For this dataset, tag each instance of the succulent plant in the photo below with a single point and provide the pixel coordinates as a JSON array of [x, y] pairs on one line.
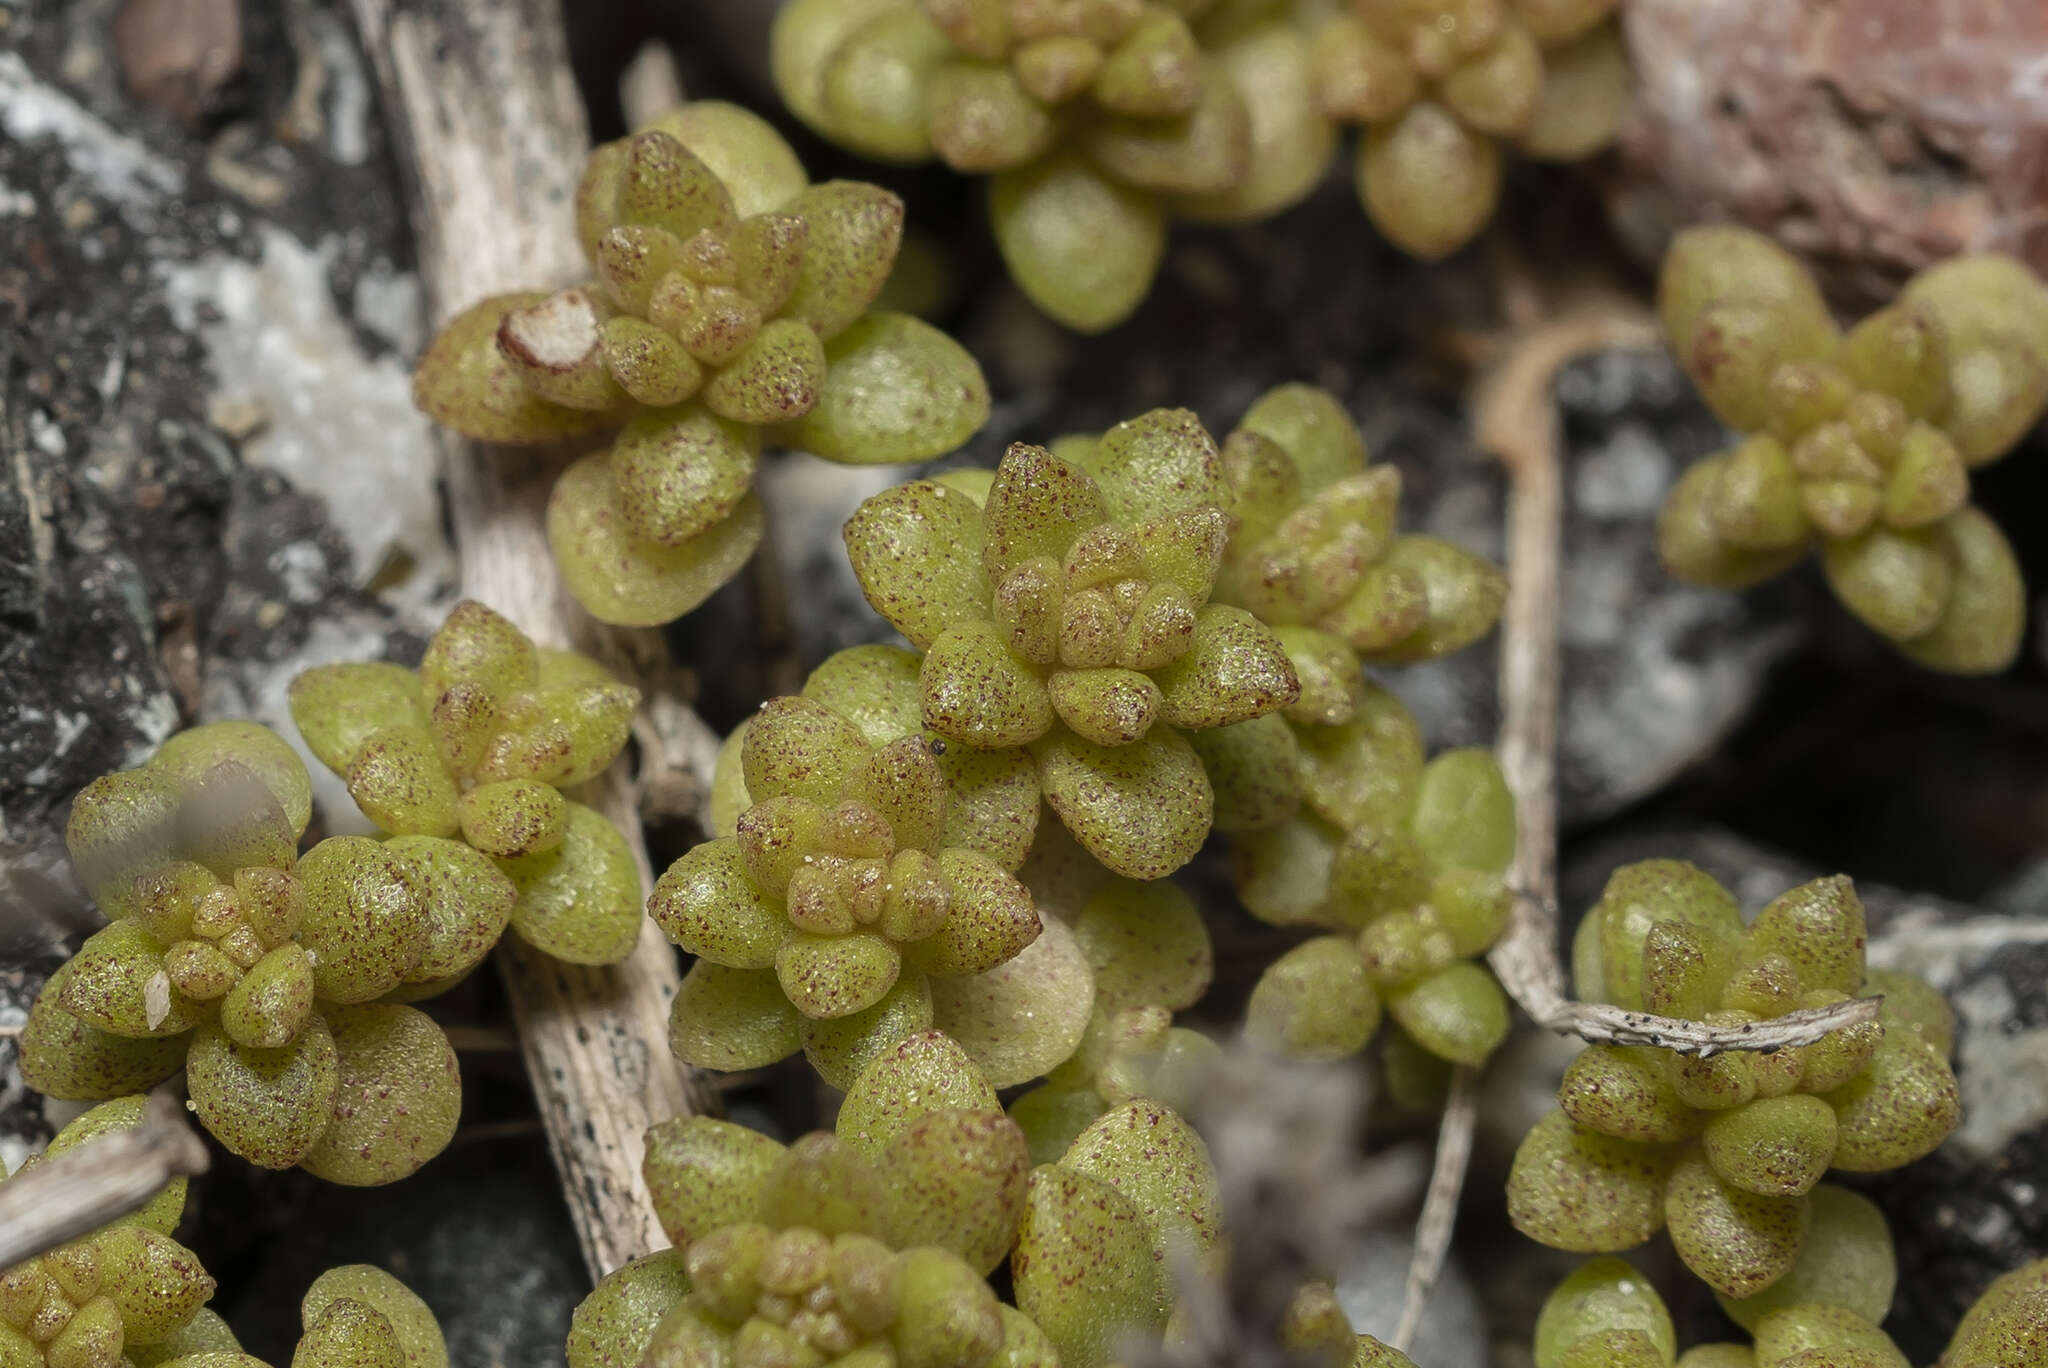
[[1861, 442], [867, 859], [477, 744], [273, 980], [869, 1245], [1725, 1150], [2007, 1325], [1606, 1315], [1403, 864], [1095, 120], [114, 1290], [1150, 955], [730, 303], [355, 1316], [1440, 85], [1065, 607], [1313, 551]]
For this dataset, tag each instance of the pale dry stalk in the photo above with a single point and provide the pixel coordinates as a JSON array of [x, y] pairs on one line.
[[485, 113], [98, 1183]]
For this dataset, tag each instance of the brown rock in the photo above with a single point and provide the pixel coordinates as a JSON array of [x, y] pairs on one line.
[[177, 54], [1872, 137]]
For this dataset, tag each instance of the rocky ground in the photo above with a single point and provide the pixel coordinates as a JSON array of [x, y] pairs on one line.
[[213, 476]]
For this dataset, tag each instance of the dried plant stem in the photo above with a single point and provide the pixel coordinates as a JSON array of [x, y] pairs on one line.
[[99, 1182], [1440, 1202], [480, 101], [1516, 419]]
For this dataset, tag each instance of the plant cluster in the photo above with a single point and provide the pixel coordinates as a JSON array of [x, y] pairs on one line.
[[129, 1296], [113, 1291], [1145, 634], [478, 743], [730, 299], [862, 866], [1607, 1315], [1859, 443], [354, 1316], [275, 981], [1336, 820], [870, 1244], [1440, 85], [1726, 1150], [1099, 121], [1095, 121]]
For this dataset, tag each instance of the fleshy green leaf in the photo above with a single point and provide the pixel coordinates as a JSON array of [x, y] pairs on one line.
[[1143, 810], [916, 550], [579, 902], [1084, 248], [1026, 1016], [924, 1072]]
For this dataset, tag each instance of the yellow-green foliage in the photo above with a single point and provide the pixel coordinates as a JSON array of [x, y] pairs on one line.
[[476, 745], [1440, 85], [1859, 443], [1069, 611], [265, 976], [730, 298], [1095, 121], [869, 1245], [1725, 1150], [116, 1290]]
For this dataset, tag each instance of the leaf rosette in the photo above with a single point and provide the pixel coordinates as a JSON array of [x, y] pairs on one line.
[[1440, 86], [112, 1292], [869, 862], [476, 745], [1093, 120], [275, 981], [1065, 607], [870, 1245], [1861, 443], [1727, 1151], [730, 299]]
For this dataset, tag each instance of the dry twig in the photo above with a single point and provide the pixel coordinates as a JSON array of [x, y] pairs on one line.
[[1516, 418], [482, 105], [101, 1181], [1440, 1204]]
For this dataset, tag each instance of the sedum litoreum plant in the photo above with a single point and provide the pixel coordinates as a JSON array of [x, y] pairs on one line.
[[2007, 1325], [109, 1294], [870, 1245], [1064, 606], [1150, 954], [867, 859], [729, 303], [1095, 120], [477, 744], [1725, 1151], [1440, 86], [1314, 552], [354, 1316], [1607, 1315], [1409, 879], [274, 981], [1859, 444]]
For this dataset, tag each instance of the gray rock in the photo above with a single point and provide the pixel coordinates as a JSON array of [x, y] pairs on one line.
[[190, 345], [1978, 1206], [1371, 1290]]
